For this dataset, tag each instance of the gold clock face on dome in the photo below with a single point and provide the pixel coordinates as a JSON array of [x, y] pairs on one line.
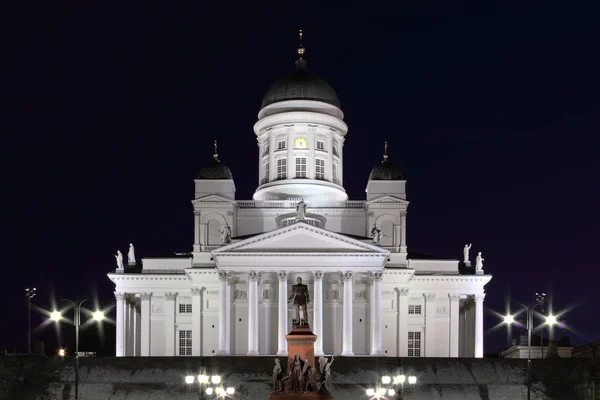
[[301, 143]]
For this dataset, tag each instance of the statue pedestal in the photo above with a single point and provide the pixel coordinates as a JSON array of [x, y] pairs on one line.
[[467, 263], [301, 341], [480, 272]]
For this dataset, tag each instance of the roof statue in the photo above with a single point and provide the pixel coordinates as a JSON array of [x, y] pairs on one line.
[[131, 255], [466, 253], [119, 258], [301, 211], [479, 262]]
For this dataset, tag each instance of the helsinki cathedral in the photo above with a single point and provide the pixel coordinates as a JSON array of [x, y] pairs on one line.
[[368, 294]]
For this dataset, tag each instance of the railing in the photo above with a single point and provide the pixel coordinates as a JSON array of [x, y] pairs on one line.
[[308, 220], [293, 203]]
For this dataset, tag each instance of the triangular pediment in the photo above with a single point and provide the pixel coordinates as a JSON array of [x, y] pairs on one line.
[[300, 238], [212, 198], [388, 199]]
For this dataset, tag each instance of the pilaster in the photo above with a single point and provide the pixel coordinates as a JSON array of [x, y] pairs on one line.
[[376, 342], [197, 320], [145, 324], [402, 321], [170, 324], [347, 278], [223, 314], [120, 296], [253, 278], [318, 312], [454, 324], [479, 325], [429, 324], [282, 328]]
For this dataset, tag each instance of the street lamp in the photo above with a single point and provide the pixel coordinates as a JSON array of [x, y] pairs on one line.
[[204, 380], [30, 294], [540, 300], [57, 316], [397, 380]]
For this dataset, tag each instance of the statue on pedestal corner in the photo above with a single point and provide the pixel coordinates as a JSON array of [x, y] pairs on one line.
[[301, 211], [226, 234], [466, 253], [479, 262], [131, 255], [277, 376], [376, 234], [119, 258]]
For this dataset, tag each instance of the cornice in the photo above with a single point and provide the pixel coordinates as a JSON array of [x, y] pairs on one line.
[[147, 277], [278, 254], [452, 278], [299, 117]]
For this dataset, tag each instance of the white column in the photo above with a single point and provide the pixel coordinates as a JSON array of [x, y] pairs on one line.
[[347, 314], [136, 330], [170, 324], [291, 163], [402, 322], [376, 345], [329, 159], [318, 312], [340, 171], [196, 321], [454, 322], [282, 329], [403, 236], [430, 325], [126, 327], [131, 326], [479, 325], [272, 164], [223, 314], [196, 230], [253, 313], [120, 296], [230, 281], [145, 324], [310, 163]]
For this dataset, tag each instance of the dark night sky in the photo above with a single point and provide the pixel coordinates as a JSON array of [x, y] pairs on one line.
[[492, 113]]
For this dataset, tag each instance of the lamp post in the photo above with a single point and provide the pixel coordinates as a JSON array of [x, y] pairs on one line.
[[540, 300], [204, 380], [30, 294], [57, 316], [398, 380]]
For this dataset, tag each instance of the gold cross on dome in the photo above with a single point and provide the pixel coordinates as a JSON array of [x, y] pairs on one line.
[[385, 154], [215, 154]]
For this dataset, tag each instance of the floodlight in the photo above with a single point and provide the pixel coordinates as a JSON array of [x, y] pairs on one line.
[[189, 379], [209, 391], [230, 391], [509, 319], [412, 380], [399, 379], [219, 391], [203, 379], [55, 315], [551, 320], [370, 392], [391, 392], [62, 352], [386, 380], [381, 391], [98, 316], [215, 379]]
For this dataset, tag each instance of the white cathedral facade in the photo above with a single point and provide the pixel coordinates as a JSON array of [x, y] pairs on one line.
[[368, 294]]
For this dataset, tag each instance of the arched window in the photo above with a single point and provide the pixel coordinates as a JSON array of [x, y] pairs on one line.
[[387, 231], [214, 236]]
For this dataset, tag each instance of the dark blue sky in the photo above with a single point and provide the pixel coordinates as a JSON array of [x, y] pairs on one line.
[[492, 112]]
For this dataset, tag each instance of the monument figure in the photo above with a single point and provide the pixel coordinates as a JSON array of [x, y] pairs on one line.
[[131, 255], [301, 211], [300, 299], [119, 258], [226, 234], [376, 234], [479, 262], [295, 375], [466, 253], [277, 376]]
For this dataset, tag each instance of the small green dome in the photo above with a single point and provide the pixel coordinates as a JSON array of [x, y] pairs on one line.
[[215, 170], [386, 171]]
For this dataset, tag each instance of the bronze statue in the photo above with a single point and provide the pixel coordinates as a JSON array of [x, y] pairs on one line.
[[300, 299]]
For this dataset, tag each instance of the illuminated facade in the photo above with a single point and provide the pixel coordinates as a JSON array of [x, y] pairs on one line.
[[369, 295]]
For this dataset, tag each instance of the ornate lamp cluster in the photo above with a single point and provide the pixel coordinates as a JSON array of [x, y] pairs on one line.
[[397, 381], [204, 380]]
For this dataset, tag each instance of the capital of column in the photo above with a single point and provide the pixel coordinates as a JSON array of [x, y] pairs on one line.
[[196, 291], [171, 296], [318, 276], [146, 296], [120, 295], [223, 275], [454, 297], [283, 276], [253, 276], [377, 276], [429, 296], [347, 276], [479, 297], [197, 213], [401, 291]]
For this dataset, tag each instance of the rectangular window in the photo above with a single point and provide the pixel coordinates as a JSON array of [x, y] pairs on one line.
[[266, 150], [319, 169], [414, 309], [320, 145], [300, 167], [185, 308], [267, 172], [334, 173], [281, 168], [281, 145], [185, 343], [414, 344]]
